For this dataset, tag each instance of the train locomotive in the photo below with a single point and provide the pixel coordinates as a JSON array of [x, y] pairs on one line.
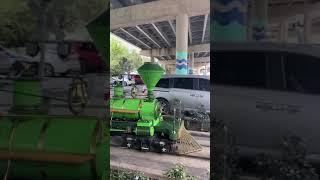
[[140, 122]]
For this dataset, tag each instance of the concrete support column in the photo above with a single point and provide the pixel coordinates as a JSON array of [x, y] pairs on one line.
[[191, 63], [284, 31], [259, 16], [229, 20], [182, 27], [307, 29], [151, 56]]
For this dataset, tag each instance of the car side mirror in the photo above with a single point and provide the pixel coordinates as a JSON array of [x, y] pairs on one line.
[[64, 50], [32, 49]]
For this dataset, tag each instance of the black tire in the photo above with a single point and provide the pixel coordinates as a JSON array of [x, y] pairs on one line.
[[164, 106], [15, 68], [83, 66], [49, 70]]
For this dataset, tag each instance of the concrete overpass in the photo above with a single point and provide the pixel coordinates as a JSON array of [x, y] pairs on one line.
[[151, 25]]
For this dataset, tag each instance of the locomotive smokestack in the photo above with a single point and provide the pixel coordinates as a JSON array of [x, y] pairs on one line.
[[150, 74]]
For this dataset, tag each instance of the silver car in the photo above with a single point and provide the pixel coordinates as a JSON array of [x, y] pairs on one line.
[[192, 90], [266, 91]]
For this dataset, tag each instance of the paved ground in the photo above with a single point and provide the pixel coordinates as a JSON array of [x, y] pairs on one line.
[[197, 164]]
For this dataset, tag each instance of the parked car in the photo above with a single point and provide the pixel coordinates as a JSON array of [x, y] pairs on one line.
[[266, 91], [137, 79], [113, 81], [192, 90], [55, 65], [10, 61], [6, 60], [126, 79], [89, 57]]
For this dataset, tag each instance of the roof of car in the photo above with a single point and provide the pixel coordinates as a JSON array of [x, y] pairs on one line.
[[186, 76], [307, 49]]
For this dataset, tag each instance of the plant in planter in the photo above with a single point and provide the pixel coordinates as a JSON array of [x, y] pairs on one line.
[[178, 172], [292, 165], [118, 174]]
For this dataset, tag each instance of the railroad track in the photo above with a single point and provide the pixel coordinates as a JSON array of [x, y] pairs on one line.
[[201, 138], [155, 164]]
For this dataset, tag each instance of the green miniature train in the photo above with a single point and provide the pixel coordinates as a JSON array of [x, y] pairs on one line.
[[35, 145], [140, 121]]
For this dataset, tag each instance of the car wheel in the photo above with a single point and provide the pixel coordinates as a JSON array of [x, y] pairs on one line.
[[15, 69], [164, 106], [49, 70]]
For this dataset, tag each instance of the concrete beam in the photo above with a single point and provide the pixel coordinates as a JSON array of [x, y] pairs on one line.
[[156, 11], [165, 10], [204, 27], [145, 34], [160, 33], [172, 51], [196, 61], [190, 33], [173, 28], [135, 38], [283, 12]]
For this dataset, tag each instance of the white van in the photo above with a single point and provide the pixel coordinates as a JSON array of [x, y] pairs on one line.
[[192, 90], [265, 91]]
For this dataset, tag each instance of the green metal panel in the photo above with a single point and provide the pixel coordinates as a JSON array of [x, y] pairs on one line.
[[5, 129], [76, 133], [129, 105], [64, 135], [30, 87], [118, 91], [132, 104], [148, 110], [144, 131], [36, 170], [167, 126], [117, 103], [144, 123], [27, 133]]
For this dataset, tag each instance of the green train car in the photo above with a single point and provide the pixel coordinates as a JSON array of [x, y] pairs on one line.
[[140, 122], [35, 145]]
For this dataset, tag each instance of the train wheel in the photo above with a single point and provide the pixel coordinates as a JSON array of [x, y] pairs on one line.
[[155, 146], [128, 141], [145, 144], [165, 146]]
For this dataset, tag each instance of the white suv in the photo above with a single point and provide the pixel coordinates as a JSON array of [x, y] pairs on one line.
[[192, 90]]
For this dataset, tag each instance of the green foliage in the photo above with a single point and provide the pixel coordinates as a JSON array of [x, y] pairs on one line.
[[117, 53], [127, 175], [16, 22], [178, 172], [19, 18], [291, 166]]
